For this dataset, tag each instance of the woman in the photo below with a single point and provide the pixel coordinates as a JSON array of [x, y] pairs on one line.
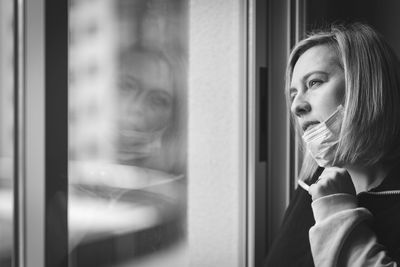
[[150, 121], [343, 88]]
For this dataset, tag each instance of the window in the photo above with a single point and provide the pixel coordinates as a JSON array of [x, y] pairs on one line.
[[106, 186], [127, 166]]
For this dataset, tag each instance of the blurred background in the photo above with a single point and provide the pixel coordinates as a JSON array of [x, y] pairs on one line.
[[383, 16]]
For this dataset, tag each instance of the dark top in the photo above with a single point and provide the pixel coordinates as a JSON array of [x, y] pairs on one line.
[[291, 246]]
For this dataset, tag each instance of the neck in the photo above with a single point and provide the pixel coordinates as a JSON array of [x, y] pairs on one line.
[[365, 178]]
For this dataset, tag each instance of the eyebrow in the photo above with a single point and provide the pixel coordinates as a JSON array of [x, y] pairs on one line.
[[305, 77]]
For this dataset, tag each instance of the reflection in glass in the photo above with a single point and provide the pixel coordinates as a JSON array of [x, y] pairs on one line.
[[6, 131], [127, 132]]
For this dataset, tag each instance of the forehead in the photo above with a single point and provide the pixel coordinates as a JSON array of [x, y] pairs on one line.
[[317, 58], [150, 70]]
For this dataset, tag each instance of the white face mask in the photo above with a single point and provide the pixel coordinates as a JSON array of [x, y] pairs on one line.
[[322, 140], [139, 145]]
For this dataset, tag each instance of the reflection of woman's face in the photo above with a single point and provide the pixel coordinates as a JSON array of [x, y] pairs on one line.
[[146, 102], [146, 94], [318, 85]]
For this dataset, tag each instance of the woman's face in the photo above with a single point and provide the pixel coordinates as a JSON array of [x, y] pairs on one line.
[[145, 104], [146, 93], [317, 87]]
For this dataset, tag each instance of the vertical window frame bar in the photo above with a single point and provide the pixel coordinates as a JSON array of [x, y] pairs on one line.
[[19, 234], [251, 134], [56, 132], [32, 136]]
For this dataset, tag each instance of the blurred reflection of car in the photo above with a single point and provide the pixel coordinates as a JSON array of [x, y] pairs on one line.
[[6, 211], [119, 212]]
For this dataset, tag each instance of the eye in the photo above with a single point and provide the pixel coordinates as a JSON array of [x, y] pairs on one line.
[[314, 83], [128, 87], [159, 99], [292, 94]]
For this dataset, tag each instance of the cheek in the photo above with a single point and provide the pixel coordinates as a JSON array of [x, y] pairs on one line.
[[157, 118], [342, 87], [326, 108], [146, 119], [329, 100], [339, 94]]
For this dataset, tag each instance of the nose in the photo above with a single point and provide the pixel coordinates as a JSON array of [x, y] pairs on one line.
[[300, 106], [132, 105]]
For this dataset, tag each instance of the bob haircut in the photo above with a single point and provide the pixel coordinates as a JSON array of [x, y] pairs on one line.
[[370, 132]]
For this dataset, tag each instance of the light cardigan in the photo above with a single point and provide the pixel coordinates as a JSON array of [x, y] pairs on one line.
[[342, 234]]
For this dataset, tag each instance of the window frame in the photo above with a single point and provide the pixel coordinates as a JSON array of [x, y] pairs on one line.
[[43, 134]]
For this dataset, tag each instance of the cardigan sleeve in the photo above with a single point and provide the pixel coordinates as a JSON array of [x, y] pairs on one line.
[[342, 235]]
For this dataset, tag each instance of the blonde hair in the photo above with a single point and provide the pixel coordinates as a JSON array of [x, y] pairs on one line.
[[371, 125]]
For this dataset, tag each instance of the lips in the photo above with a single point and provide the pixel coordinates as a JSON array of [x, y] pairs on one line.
[[309, 124]]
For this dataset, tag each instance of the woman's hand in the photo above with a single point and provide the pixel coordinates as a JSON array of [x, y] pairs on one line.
[[333, 180]]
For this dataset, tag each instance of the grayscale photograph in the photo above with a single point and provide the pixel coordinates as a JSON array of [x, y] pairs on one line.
[[199, 133]]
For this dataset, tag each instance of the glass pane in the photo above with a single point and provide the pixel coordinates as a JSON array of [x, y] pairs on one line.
[[6, 130], [127, 132]]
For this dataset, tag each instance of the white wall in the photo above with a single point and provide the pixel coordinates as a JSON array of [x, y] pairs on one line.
[[217, 154]]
